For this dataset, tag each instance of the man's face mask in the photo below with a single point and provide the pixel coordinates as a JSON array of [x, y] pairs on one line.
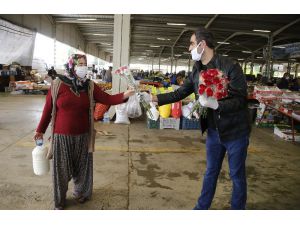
[[81, 71], [195, 55]]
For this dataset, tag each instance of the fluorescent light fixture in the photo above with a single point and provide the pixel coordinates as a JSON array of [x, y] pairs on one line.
[[177, 55], [105, 44], [223, 43], [176, 24], [163, 39], [278, 46], [248, 52], [149, 50], [87, 19], [224, 55], [240, 59], [263, 31], [100, 34], [259, 57], [154, 46]]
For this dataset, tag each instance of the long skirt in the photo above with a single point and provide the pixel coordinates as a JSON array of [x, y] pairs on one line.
[[71, 160]]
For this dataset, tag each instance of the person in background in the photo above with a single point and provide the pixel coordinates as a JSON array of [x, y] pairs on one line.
[[284, 82], [227, 123], [52, 73], [294, 85], [69, 107], [108, 75], [95, 71]]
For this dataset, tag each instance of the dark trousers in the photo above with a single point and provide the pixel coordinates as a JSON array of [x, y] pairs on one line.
[[215, 152]]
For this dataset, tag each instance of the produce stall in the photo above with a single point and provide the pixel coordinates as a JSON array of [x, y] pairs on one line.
[[278, 109]]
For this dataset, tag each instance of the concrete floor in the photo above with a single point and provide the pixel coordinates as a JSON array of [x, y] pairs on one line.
[[139, 168]]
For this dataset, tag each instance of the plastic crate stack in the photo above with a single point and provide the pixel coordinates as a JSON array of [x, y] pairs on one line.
[[190, 124]]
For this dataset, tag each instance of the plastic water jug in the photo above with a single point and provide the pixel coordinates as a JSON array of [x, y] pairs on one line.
[[40, 163], [106, 118]]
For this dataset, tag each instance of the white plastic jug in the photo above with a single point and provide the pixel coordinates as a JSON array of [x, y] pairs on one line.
[[41, 164]]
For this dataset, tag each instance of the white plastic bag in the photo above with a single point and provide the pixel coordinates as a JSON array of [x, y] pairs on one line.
[[208, 102], [121, 114], [133, 107], [154, 112], [186, 110]]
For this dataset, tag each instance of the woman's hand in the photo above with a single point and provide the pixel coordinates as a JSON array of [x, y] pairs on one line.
[[38, 136], [128, 93]]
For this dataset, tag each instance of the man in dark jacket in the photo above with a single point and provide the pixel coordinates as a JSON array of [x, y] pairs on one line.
[[227, 123]]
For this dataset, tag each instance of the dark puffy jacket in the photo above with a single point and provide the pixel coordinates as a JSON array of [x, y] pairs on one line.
[[231, 119]]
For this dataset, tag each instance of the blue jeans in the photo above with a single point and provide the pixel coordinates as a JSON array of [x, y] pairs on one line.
[[215, 152]]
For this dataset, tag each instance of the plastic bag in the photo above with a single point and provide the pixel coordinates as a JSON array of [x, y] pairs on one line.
[[176, 110], [154, 112], [186, 110], [165, 111], [121, 114], [133, 107], [99, 111], [208, 102]]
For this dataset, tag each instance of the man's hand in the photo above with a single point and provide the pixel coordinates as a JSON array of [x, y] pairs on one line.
[[209, 103]]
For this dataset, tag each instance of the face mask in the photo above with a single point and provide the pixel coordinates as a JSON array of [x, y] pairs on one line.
[[195, 55], [81, 71]]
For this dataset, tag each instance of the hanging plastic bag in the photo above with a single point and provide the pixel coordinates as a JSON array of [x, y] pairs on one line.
[[154, 112], [121, 114], [176, 110], [133, 107], [186, 110]]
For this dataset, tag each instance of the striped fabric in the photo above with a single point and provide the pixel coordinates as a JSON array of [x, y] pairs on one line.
[[71, 160]]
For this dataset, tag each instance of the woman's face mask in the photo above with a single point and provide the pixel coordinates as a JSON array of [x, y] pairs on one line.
[[81, 71], [195, 55]]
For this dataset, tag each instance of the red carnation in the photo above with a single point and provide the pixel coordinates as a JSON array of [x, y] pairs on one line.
[[216, 80], [220, 87], [209, 92], [201, 89], [213, 72], [206, 75], [219, 95], [208, 82]]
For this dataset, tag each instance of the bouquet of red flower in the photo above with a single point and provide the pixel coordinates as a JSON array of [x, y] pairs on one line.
[[212, 87]]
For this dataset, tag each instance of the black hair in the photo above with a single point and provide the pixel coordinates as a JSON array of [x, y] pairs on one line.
[[203, 34]]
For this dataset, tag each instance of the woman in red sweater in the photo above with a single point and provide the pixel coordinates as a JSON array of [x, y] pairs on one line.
[[69, 105]]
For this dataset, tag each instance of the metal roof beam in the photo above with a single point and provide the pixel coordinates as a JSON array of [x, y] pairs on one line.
[[275, 33], [185, 29], [243, 33], [211, 21]]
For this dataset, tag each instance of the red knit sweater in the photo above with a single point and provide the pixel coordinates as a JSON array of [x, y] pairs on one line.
[[72, 113]]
